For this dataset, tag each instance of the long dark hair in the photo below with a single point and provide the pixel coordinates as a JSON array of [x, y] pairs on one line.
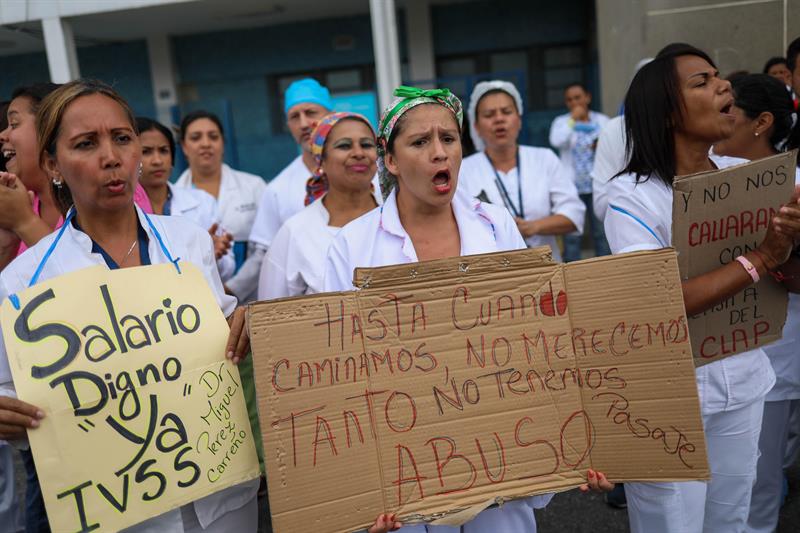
[[653, 111], [760, 93]]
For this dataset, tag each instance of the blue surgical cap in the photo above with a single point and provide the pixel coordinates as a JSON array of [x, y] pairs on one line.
[[305, 91]]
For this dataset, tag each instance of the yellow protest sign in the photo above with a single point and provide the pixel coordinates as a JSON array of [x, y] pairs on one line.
[[143, 413]]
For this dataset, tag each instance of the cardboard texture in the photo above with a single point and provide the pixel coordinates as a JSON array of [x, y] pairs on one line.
[[446, 386], [142, 412], [718, 216]]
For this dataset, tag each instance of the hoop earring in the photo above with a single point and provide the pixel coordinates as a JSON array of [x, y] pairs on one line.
[[58, 183]]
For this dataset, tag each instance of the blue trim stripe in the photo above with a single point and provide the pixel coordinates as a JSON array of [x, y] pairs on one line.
[[640, 221], [161, 243], [14, 301]]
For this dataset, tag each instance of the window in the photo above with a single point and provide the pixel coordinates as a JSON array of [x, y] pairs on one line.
[[338, 81], [540, 73]]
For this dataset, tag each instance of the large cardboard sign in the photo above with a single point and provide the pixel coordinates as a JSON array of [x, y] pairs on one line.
[[441, 388], [718, 216], [143, 414]]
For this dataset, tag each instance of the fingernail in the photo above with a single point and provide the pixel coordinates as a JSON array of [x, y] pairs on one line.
[[591, 474], [39, 414], [34, 423], [230, 355]]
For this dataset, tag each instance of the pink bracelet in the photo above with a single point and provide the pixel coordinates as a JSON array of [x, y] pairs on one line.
[[748, 266]]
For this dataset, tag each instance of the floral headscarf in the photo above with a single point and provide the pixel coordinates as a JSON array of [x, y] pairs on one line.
[[408, 98], [317, 184]]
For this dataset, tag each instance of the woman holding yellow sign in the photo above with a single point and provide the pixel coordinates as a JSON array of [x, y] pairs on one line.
[[423, 217], [90, 150]]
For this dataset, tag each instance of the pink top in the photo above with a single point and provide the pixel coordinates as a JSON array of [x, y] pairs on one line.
[[139, 198]]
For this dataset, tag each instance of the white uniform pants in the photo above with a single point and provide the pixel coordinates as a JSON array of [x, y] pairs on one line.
[[765, 504], [722, 504], [10, 519]]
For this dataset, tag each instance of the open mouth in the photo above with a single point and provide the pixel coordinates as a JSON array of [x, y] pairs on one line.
[[726, 109], [116, 186], [441, 182], [9, 154], [500, 132]]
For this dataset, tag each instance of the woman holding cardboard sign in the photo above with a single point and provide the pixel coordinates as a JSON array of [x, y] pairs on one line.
[[90, 150], [424, 218], [766, 124], [676, 108]]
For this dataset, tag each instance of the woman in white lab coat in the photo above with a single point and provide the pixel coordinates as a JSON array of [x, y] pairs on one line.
[[676, 107], [344, 149], [237, 192], [423, 218], [158, 150], [766, 124], [531, 182], [91, 153]]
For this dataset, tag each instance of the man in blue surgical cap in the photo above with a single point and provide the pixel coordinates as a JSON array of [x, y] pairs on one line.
[[306, 102]]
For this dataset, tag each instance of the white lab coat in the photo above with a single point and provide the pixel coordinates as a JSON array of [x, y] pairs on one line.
[[563, 137], [295, 263], [183, 239], [201, 208], [379, 239], [609, 160], [283, 197], [731, 392], [236, 210], [546, 189]]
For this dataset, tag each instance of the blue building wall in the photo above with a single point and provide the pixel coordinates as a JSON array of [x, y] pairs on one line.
[[123, 65], [234, 65], [505, 24]]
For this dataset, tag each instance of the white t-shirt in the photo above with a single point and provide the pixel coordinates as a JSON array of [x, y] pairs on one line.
[[639, 217], [563, 137], [546, 189], [183, 239], [609, 160], [295, 263], [379, 239], [283, 197]]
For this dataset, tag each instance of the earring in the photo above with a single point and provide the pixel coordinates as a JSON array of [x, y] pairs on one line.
[[757, 134], [57, 183], [140, 170]]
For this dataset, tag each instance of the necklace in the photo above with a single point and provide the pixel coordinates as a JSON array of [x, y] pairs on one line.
[[129, 252]]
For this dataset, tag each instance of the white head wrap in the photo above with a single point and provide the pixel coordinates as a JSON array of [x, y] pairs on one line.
[[477, 93]]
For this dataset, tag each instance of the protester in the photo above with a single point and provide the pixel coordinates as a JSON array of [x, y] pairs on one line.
[[423, 218], [766, 124], [202, 141], [158, 151], [30, 219], [344, 150], [305, 103], [676, 107], [530, 182], [88, 146], [778, 68], [793, 60], [574, 135], [9, 504]]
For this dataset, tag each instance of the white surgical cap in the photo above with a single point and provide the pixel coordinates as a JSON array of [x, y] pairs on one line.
[[477, 93]]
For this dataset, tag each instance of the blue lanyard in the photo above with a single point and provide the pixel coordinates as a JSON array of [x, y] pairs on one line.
[[67, 221], [504, 192]]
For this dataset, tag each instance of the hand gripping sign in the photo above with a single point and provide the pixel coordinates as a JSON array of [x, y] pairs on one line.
[[441, 388], [716, 217], [143, 412]]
